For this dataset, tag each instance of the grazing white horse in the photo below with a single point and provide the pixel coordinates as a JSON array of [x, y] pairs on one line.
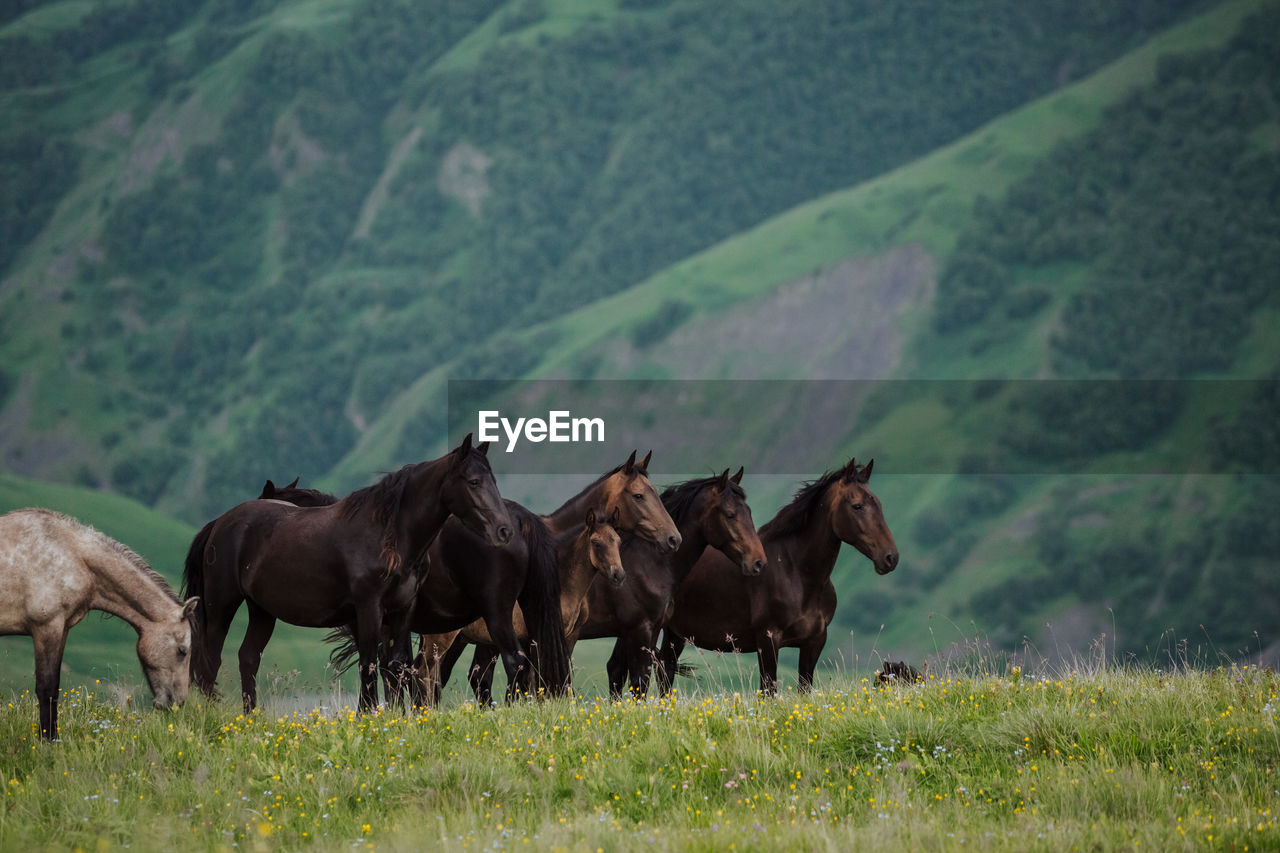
[[54, 570]]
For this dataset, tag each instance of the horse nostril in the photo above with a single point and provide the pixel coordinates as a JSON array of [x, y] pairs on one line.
[[504, 534], [759, 566], [673, 541], [891, 559]]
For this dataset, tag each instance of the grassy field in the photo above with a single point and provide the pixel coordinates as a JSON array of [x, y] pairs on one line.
[[1096, 758]]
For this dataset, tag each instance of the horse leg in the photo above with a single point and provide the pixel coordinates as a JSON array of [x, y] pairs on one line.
[[640, 663], [617, 670], [424, 681], [810, 651], [256, 637], [207, 657], [368, 644], [767, 657], [448, 659], [480, 675], [49, 641], [669, 661], [398, 668]]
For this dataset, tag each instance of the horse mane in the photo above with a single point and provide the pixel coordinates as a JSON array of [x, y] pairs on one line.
[[679, 498], [795, 516], [120, 549], [597, 481], [382, 500]]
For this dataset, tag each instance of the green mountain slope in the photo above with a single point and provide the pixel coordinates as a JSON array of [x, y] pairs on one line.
[[240, 229]]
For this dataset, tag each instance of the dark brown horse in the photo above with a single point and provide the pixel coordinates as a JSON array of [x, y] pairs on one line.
[[711, 511], [582, 555], [357, 561], [793, 601], [625, 490]]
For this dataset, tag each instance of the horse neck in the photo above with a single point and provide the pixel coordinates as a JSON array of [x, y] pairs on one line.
[[575, 509], [809, 552], [693, 542], [573, 557], [123, 588], [422, 511]]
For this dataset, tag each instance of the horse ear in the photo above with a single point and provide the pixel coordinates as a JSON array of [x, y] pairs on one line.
[[189, 606], [269, 488], [483, 447], [644, 466], [465, 447], [615, 516], [591, 519], [737, 478], [294, 484], [723, 479], [850, 471], [865, 473], [630, 464]]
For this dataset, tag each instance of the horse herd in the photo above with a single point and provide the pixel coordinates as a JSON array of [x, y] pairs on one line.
[[434, 549]]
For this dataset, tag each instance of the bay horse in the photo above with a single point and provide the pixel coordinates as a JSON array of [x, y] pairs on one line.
[[453, 595], [582, 555], [54, 570], [358, 561], [793, 600], [709, 512]]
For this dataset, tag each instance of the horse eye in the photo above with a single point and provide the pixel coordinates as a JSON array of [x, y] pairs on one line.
[[730, 515], [474, 482], [858, 507], [638, 496]]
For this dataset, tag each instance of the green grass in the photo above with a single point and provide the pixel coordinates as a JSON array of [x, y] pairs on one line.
[[1093, 759]]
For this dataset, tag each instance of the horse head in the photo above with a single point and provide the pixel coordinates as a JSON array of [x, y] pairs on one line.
[[858, 518], [605, 546], [726, 521], [471, 493], [628, 492], [164, 649]]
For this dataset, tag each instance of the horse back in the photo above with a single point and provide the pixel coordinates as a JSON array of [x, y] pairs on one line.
[[43, 572]]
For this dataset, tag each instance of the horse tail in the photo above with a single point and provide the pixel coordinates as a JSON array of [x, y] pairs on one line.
[[346, 653], [202, 670], [540, 601]]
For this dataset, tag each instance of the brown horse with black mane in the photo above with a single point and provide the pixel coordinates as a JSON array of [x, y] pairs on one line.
[[709, 512], [793, 601], [357, 561]]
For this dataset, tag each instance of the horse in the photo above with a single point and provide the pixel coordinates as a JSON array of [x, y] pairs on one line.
[[583, 554], [625, 490], [793, 601], [54, 570], [358, 561], [709, 512]]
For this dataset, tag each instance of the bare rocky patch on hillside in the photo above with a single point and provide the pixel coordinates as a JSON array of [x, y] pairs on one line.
[[837, 323]]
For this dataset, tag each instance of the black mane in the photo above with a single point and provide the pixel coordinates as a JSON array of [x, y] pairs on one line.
[[679, 498], [795, 516]]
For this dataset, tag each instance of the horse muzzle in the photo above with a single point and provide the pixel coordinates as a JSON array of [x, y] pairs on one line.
[[616, 575], [887, 563]]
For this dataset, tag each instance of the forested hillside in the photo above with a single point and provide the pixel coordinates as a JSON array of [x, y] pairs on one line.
[[240, 228]]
